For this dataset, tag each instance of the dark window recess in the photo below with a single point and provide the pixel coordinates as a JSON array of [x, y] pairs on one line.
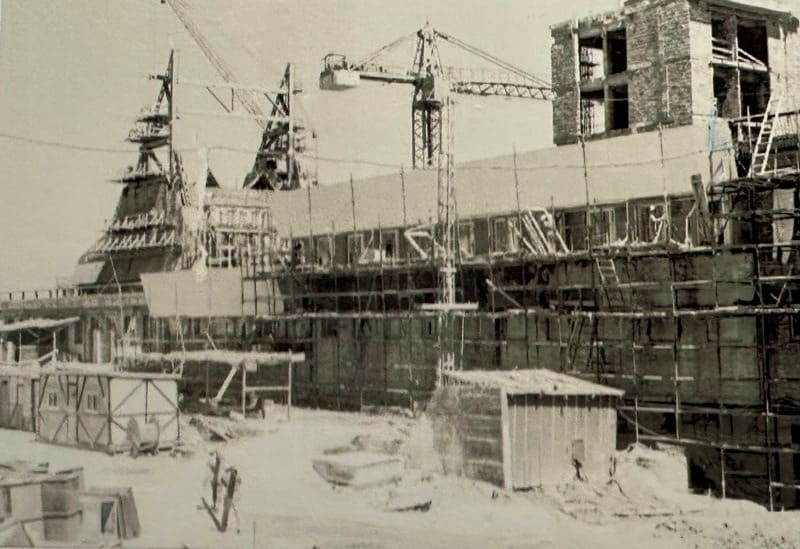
[[429, 328], [500, 328], [752, 40], [726, 92], [106, 510], [77, 333], [755, 91], [617, 51], [619, 118], [794, 327]]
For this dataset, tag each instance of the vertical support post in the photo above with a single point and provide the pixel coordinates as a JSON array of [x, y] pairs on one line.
[[588, 204], [244, 389], [506, 439], [215, 470], [290, 129], [311, 244], [289, 390], [722, 469], [634, 333], [230, 489], [675, 356], [667, 212], [403, 193]]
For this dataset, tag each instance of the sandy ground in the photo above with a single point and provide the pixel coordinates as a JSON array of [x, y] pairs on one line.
[[284, 503]]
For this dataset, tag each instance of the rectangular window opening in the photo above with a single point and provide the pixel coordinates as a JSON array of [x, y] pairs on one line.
[[390, 246], [604, 227], [617, 51], [324, 251], [619, 117], [754, 91], [93, 402], [726, 92], [355, 248], [593, 120], [751, 36], [466, 239], [592, 58]]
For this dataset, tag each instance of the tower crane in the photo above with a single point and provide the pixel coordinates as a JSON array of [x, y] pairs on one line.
[[432, 137], [276, 166], [433, 82]]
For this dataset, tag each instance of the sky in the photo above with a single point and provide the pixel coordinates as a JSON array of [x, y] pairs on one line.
[[74, 72]]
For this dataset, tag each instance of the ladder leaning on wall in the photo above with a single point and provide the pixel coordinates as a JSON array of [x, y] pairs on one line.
[[759, 164]]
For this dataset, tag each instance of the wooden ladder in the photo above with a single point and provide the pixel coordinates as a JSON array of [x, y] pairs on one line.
[[574, 341], [766, 134], [610, 281]]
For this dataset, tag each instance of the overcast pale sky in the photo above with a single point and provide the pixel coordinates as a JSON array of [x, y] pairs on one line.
[[75, 72]]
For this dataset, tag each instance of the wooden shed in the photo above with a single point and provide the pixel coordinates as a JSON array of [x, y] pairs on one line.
[[48, 505], [18, 393], [81, 405], [524, 428]]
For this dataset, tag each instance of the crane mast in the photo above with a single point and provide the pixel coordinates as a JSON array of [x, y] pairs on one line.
[[432, 139]]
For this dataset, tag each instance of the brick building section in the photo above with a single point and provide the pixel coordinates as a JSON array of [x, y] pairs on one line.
[[670, 72]]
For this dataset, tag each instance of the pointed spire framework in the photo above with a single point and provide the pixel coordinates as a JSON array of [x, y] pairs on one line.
[[277, 166], [146, 218]]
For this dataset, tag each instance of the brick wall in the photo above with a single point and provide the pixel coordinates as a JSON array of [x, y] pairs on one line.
[[659, 64], [564, 70], [669, 76], [659, 74]]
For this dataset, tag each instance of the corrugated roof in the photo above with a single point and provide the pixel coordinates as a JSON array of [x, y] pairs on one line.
[[37, 324], [32, 369], [619, 169], [535, 381], [103, 370], [230, 357]]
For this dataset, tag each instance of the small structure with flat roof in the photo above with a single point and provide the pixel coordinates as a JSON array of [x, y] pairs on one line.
[[522, 429], [92, 406], [236, 380]]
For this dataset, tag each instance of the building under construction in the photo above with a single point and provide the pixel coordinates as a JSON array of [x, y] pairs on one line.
[[653, 249]]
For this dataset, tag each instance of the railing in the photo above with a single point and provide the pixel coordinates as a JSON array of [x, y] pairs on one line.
[[746, 128], [69, 292], [153, 238], [152, 112], [149, 133], [722, 50], [138, 221], [138, 175]]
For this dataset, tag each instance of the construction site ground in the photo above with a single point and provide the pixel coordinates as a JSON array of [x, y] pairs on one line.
[[282, 502]]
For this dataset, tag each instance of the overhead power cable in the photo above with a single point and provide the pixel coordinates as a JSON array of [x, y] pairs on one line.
[[354, 161], [62, 145]]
